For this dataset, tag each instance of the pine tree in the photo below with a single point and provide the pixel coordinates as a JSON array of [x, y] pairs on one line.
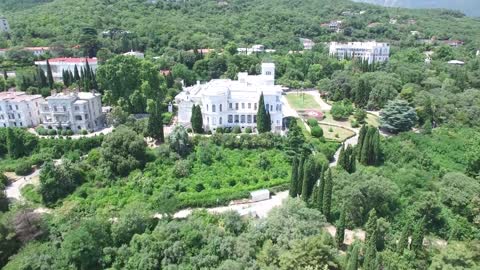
[[294, 178], [327, 194], [403, 241], [309, 178], [300, 175], [262, 116], [417, 236], [340, 235], [361, 139], [353, 260], [196, 119], [49, 75], [155, 123], [76, 75]]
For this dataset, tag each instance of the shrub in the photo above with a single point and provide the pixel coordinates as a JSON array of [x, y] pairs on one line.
[[237, 130], [330, 129], [199, 187], [182, 168], [63, 132], [52, 132], [69, 132], [219, 130], [84, 132], [312, 122], [341, 110], [189, 130], [23, 168], [248, 130], [317, 132], [354, 124], [232, 182], [216, 184], [360, 115]]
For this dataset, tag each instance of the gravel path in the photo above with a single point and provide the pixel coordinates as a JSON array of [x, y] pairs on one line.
[[13, 190]]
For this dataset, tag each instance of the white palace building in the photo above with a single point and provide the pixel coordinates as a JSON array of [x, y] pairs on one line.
[[371, 51], [229, 103]]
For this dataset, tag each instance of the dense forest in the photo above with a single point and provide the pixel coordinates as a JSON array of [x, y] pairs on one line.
[[109, 201]]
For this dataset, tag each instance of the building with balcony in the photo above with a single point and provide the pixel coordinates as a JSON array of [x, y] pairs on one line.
[[229, 103], [372, 52], [58, 65], [72, 110], [18, 109]]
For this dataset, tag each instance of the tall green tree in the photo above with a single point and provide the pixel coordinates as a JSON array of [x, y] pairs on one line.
[[321, 189], [371, 229], [196, 119], [155, 122], [300, 174], [327, 194], [340, 235], [263, 121], [76, 75], [294, 179], [49, 75], [417, 236], [403, 241], [353, 259], [398, 116], [310, 176]]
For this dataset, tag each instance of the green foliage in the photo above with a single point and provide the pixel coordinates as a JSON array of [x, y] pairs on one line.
[[179, 141], [56, 182], [23, 168], [263, 117], [397, 116], [317, 132], [341, 110], [294, 179], [122, 151], [196, 119], [340, 232], [327, 194], [310, 176]]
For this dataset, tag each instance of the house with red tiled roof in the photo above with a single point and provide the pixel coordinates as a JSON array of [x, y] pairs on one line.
[[61, 64]]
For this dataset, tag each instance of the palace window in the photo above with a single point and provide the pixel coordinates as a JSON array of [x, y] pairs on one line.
[[242, 119], [236, 106], [254, 119], [230, 118], [236, 119], [220, 121], [220, 109], [207, 107], [249, 105], [249, 119], [243, 105], [271, 108], [230, 106], [214, 109], [254, 106], [16, 107], [269, 73]]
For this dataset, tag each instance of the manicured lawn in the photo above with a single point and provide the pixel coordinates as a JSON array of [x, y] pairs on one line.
[[331, 132], [302, 101], [373, 120]]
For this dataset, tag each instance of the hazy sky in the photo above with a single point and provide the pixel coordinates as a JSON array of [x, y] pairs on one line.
[[469, 7]]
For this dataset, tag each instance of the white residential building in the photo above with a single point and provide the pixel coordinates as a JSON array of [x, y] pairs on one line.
[[335, 26], [307, 43], [368, 51], [18, 109], [58, 65], [37, 51], [229, 103], [73, 110], [255, 49], [135, 54], [4, 26]]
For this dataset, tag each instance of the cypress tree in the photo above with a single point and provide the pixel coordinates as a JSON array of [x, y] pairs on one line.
[[294, 178], [371, 226], [309, 178], [300, 175], [361, 139], [351, 161], [376, 152], [369, 261], [262, 116], [49, 75], [327, 194], [340, 235], [268, 121], [196, 119], [353, 260], [42, 78], [341, 158], [403, 241], [76, 75], [371, 229], [5, 76], [155, 123], [417, 236], [321, 189]]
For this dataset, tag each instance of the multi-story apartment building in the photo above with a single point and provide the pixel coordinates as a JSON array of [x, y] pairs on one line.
[[59, 65], [18, 109], [4, 27], [73, 110], [368, 51], [229, 103], [307, 43]]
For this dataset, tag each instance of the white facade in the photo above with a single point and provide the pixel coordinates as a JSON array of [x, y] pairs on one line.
[[18, 109], [229, 103], [37, 51], [307, 43], [58, 65], [73, 110], [258, 48], [135, 54], [368, 51], [4, 26]]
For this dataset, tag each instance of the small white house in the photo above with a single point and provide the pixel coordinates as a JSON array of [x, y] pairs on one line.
[[260, 195]]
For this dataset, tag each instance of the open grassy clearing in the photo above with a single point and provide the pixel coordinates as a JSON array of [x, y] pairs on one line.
[[336, 133], [302, 101]]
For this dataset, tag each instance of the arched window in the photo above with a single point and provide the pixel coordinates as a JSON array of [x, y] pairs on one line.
[[220, 108], [214, 108], [220, 122]]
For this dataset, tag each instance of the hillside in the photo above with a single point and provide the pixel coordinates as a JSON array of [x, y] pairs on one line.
[[469, 7], [198, 24]]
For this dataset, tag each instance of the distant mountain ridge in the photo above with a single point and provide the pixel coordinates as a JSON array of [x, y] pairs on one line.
[[469, 7]]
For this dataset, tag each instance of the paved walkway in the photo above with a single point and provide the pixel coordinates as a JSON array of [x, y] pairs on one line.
[[13, 190], [104, 131]]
